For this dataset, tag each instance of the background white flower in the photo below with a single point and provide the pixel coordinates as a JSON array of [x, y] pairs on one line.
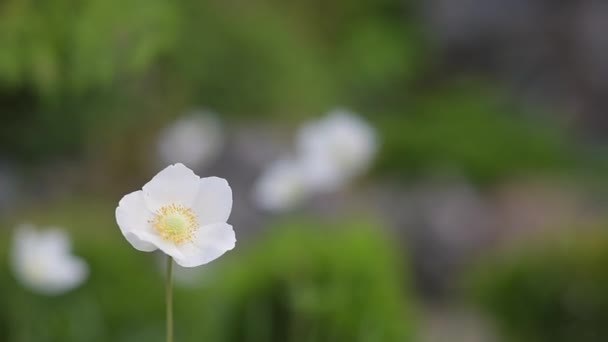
[[335, 149], [281, 186], [41, 261], [181, 214], [194, 139]]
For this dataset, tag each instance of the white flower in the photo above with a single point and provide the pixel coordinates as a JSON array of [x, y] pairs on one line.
[[281, 186], [42, 261], [335, 149], [181, 214], [194, 140]]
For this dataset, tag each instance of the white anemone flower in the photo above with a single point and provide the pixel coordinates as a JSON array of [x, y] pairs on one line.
[[281, 186], [335, 149], [195, 139], [42, 262], [181, 214]]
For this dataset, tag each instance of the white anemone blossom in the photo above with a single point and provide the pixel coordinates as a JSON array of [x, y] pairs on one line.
[[42, 262], [194, 139], [181, 214], [281, 186], [335, 149]]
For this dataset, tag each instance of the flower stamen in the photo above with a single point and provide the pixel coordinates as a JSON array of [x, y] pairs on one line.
[[175, 223]]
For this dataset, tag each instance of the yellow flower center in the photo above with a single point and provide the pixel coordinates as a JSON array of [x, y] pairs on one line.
[[175, 223]]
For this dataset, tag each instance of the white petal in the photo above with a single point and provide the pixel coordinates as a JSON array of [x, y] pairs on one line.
[[53, 241], [336, 149], [132, 215], [195, 139], [281, 186], [352, 138], [165, 246], [210, 243], [63, 275], [77, 271], [176, 184], [42, 261], [133, 218], [213, 203], [321, 173], [139, 244]]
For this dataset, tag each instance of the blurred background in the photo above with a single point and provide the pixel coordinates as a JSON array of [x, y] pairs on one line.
[[478, 213]]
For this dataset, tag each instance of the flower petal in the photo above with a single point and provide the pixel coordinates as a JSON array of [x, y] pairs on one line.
[[139, 244], [194, 139], [165, 246], [53, 241], [281, 186], [133, 215], [321, 173], [213, 203], [176, 184], [210, 243], [42, 261], [63, 275]]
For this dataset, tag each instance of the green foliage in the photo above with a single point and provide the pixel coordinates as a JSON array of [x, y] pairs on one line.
[[552, 291], [251, 61], [77, 69], [75, 77], [314, 285], [305, 281], [60, 46], [60, 61], [464, 128]]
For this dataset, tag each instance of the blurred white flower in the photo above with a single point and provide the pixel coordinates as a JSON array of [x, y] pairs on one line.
[[181, 214], [330, 152], [195, 140], [335, 149], [281, 186], [42, 261]]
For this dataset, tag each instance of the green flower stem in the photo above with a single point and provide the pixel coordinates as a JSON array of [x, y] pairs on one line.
[[169, 297]]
